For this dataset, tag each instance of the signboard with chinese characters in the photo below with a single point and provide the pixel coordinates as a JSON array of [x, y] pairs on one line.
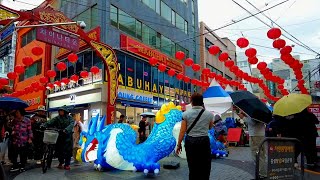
[[52, 36], [7, 32], [281, 158], [315, 109]]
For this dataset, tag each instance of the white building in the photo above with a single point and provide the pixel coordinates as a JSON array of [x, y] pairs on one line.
[[242, 62]]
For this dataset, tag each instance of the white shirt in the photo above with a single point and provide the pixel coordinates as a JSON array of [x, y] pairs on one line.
[[255, 128]]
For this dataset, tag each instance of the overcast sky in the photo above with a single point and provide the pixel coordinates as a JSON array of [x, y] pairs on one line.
[[299, 17]]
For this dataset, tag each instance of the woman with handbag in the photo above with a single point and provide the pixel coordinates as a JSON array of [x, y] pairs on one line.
[[196, 123]]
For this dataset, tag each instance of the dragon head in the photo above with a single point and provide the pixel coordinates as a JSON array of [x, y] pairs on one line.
[[169, 112]]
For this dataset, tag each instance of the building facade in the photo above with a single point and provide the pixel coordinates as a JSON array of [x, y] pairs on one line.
[[242, 62], [311, 72]]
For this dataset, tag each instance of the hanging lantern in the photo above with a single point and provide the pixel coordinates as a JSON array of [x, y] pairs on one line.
[[274, 33], [229, 63], [194, 81], [153, 61], [180, 55], [262, 65], [253, 60], [286, 50], [188, 62], [50, 86], [42, 88], [223, 56], [280, 86], [242, 42], [57, 83], [162, 67], [281, 81], [301, 81], [61, 66], [206, 71], [12, 75], [180, 76], [27, 61], [4, 81], [218, 77], [51, 73], [84, 74], [35, 84], [73, 58], [212, 75], [214, 50], [186, 79], [37, 51], [65, 81], [279, 43], [234, 69], [251, 52], [19, 69], [196, 67], [95, 70], [74, 78], [299, 76], [44, 80], [171, 72]]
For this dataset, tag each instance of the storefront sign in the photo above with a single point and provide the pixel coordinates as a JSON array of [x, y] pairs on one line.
[[59, 39], [145, 51], [315, 109], [93, 78], [33, 101], [5, 49], [135, 96], [281, 158], [7, 32], [72, 98]]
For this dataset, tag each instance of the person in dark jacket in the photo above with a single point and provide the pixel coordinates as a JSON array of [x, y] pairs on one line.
[[64, 144]]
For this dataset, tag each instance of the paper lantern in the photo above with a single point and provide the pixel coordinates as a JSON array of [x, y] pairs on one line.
[[50, 86], [229, 63], [186, 79], [251, 52], [188, 62], [206, 71], [194, 81], [37, 51], [35, 84], [234, 69], [299, 76], [95, 70], [286, 50], [242, 42], [218, 77], [65, 81], [180, 76], [274, 33], [301, 81], [171, 72], [180, 55], [84, 74], [74, 78], [214, 50], [153, 61], [279, 43], [51, 73], [27, 60], [4, 81], [162, 67], [19, 69], [223, 56], [73, 58], [61, 66], [212, 75], [253, 60], [44, 80], [262, 65], [280, 86], [42, 88], [196, 67], [57, 83], [281, 81], [12, 75]]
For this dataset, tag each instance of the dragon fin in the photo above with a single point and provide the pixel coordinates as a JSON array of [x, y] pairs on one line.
[[93, 124], [101, 123]]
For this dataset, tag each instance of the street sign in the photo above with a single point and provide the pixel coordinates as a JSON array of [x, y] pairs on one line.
[[7, 32]]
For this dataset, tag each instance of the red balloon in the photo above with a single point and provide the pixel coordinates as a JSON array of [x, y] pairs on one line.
[[253, 60], [188, 62], [65, 81], [186, 79], [61, 66], [74, 78], [229, 63], [180, 55], [57, 83], [50, 86], [280, 86], [44, 80], [251, 52], [242, 42], [84, 74], [286, 50], [162, 67], [12, 75], [72, 58], [171, 72], [27, 60], [95, 70], [180, 76], [214, 50], [37, 51], [274, 33], [206, 71], [153, 61], [279, 43], [223, 56], [19, 69], [4, 81], [196, 67], [262, 65], [51, 73], [212, 75]]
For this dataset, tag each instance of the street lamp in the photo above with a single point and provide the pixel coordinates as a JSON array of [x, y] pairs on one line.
[[82, 24]]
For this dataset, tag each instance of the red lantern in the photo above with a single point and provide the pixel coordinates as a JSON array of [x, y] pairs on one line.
[[212, 75], [37, 51], [153, 61], [286, 50], [50, 86], [262, 65], [196, 67], [206, 71], [74, 78], [251, 52], [180, 55], [27, 61], [35, 85], [214, 50], [73, 58], [186, 79], [279, 43], [57, 83], [44, 80], [162, 67], [229, 63], [242, 42], [234, 69], [95, 70], [4, 81], [218, 77], [299, 76], [223, 56], [180, 76], [280, 86], [281, 81], [188, 62], [171, 72], [274, 33], [84, 74], [253, 60], [42, 88], [301, 81], [12, 75], [51, 73], [194, 81], [19, 69], [61, 66], [65, 81]]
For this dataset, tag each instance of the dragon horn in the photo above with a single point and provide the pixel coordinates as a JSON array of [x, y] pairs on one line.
[[93, 124], [101, 123]]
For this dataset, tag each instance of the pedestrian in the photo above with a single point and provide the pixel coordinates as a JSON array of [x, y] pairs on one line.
[[21, 136], [121, 120], [219, 127], [64, 145], [77, 128], [142, 128], [196, 123], [4, 135], [37, 121]]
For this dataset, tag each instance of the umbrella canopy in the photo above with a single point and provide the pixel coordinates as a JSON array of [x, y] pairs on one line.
[[148, 114], [11, 103], [251, 105], [291, 104]]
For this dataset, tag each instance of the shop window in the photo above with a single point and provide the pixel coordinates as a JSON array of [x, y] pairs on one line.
[[139, 75], [127, 23], [155, 79], [28, 37], [130, 71], [87, 60], [79, 64], [122, 68], [114, 15], [161, 82], [31, 71], [147, 77], [97, 61], [70, 70], [165, 11]]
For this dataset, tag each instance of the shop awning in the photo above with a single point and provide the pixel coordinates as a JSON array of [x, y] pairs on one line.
[[71, 107], [138, 104]]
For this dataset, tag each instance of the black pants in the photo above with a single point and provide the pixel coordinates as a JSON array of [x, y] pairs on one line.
[[64, 150], [23, 154], [198, 157], [310, 148]]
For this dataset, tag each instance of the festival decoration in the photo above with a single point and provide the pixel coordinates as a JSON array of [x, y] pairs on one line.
[[214, 50], [65, 81], [242, 42], [57, 83], [188, 62], [229, 63], [262, 65], [274, 33], [180, 55], [186, 79], [35, 85], [74, 78], [251, 52], [223, 56], [286, 50], [27, 61], [95, 70], [206, 71], [4, 81], [253, 60], [51, 73], [180, 76], [12, 75], [171, 72], [162, 67], [72, 57], [37, 51], [196, 67], [212, 75], [19, 69], [44, 80], [61, 66], [153, 61], [50, 86], [84, 74], [279, 43]]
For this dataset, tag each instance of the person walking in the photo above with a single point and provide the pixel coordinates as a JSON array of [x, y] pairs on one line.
[[142, 128], [77, 128], [121, 120], [195, 124], [4, 135], [64, 144]]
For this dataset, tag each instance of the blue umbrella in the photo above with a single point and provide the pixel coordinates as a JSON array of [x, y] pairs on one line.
[[11, 103]]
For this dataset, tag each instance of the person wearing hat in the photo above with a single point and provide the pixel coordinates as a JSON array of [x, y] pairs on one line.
[[64, 144]]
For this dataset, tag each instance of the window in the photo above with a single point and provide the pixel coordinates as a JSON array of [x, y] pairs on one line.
[[114, 16], [179, 22], [208, 43], [33, 70], [173, 18], [166, 45], [127, 23], [130, 69], [90, 16], [122, 68], [165, 11], [155, 78], [186, 27], [213, 69], [150, 3], [28, 37], [150, 36], [139, 75], [138, 29]]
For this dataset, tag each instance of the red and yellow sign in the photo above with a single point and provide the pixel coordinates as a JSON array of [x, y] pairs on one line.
[[145, 51]]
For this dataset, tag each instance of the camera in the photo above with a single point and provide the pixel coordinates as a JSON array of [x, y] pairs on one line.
[[82, 24]]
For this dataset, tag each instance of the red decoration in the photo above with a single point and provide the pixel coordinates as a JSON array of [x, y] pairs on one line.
[[153, 61], [274, 33], [253, 60], [242, 42], [223, 56], [19, 69], [194, 81], [61, 66], [214, 50], [301, 81], [95, 70], [262, 65], [44, 80], [84, 74], [12, 75], [171, 72], [27, 61], [73, 58], [180, 76], [65, 81], [74, 78], [196, 67], [286, 50], [280, 86], [180, 55], [206, 71], [188, 62], [218, 77], [299, 76], [4, 81], [162, 67], [229, 63], [234, 69], [251, 52], [37, 51], [212, 75], [186, 79], [51, 73], [50, 86], [35, 84], [57, 83], [279, 43]]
